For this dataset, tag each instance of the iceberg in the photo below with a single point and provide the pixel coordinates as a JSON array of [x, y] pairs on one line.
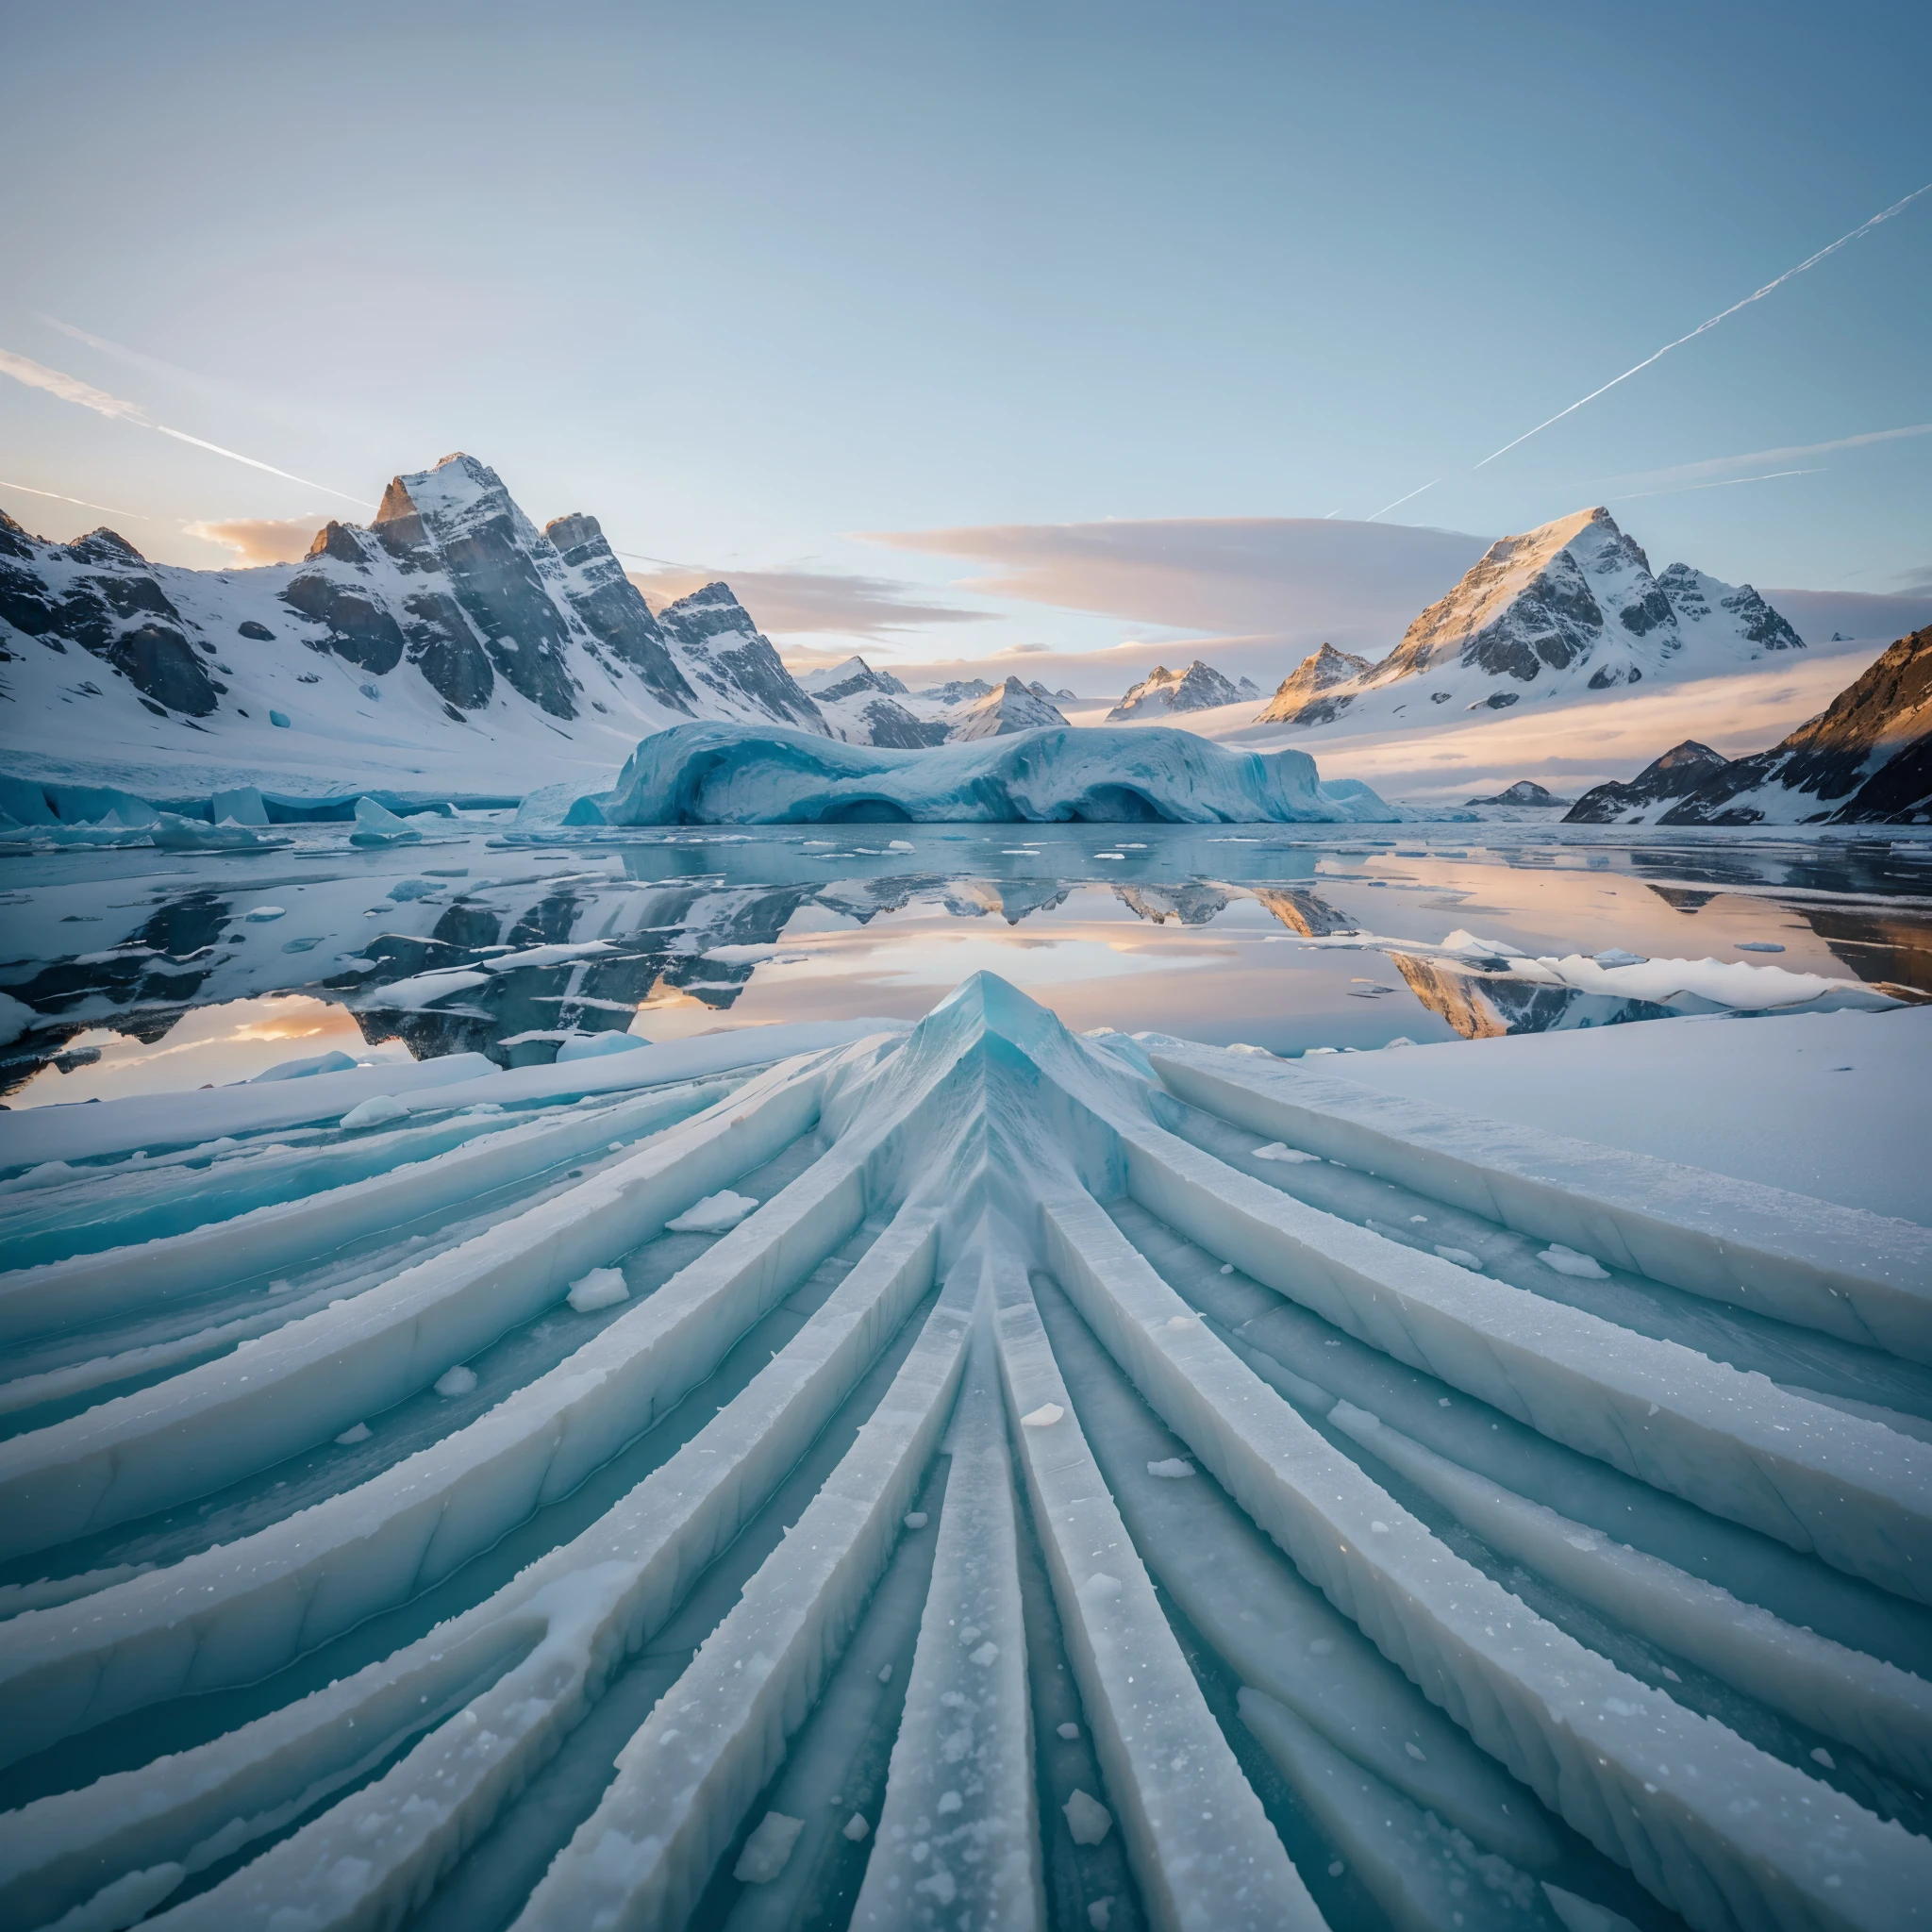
[[1031, 1482], [712, 774]]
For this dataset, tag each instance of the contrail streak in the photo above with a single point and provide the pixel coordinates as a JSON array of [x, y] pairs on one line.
[[69, 388], [1724, 483], [1756, 295], [1400, 501], [111, 509]]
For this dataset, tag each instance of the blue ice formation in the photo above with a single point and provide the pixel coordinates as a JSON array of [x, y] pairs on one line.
[[715, 773]]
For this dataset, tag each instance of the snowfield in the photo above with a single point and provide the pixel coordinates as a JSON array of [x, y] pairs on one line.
[[975, 1474]]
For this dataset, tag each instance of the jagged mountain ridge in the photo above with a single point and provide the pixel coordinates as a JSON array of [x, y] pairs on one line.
[[1162, 692], [1567, 610], [1865, 759], [447, 637]]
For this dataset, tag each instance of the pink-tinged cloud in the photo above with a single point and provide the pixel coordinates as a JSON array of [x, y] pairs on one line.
[[260, 539], [1288, 578], [792, 603]]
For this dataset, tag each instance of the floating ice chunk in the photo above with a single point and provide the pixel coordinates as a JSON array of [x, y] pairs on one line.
[[377, 825], [1044, 1417], [1821, 1756], [1087, 1819], [1070, 1732], [899, 846], [602, 1287], [405, 890], [768, 1848], [1617, 956], [916, 1518], [360, 1433], [1759, 946], [1568, 1262], [1173, 1469], [49, 1174], [175, 834], [263, 915], [1276, 1151], [715, 1214], [856, 1827], [1462, 1257], [456, 1381], [334, 1062], [590, 1046], [1100, 1914], [378, 1111]]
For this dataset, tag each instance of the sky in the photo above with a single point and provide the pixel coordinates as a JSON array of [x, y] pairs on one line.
[[966, 335]]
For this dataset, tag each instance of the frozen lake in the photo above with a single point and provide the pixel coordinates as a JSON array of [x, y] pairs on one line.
[[153, 971]]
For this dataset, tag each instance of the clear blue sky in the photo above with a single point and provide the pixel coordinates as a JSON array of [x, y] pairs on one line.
[[746, 280]]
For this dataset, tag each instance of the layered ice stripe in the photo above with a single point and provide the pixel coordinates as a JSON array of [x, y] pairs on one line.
[[958, 1840], [1861, 1701], [1201, 1847], [1718, 1829], [202, 1429], [1851, 1492], [1862, 1276], [686, 1780], [513, 1673], [1272, 1629], [710, 773], [236, 1612], [129, 1279]]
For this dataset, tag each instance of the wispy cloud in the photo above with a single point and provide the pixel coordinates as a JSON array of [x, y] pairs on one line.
[[70, 388], [792, 603], [260, 539], [1714, 466], [1278, 576]]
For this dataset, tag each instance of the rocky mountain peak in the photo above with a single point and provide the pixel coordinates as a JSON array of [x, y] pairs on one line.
[[340, 541], [1009, 708], [104, 546], [1302, 697], [1161, 693], [834, 681]]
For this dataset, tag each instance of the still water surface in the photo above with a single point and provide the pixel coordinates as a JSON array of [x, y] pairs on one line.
[[153, 971]]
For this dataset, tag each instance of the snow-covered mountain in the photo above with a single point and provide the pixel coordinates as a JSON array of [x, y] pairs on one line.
[[849, 679], [1867, 758], [867, 706], [447, 646], [1675, 775], [1303, 696], [1162, 692], [1565, 611], [1012, 707]]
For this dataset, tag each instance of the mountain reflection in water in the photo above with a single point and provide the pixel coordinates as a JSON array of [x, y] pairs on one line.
[[1285, 937]]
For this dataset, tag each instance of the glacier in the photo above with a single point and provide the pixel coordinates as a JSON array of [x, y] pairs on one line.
[[716, 774], [1038, 1502]]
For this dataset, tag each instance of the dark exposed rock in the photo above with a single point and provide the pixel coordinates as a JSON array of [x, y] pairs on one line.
[[459, 518], [893, 725], [613, 608], [161, 663], [1678, 772], [14, 541], [848, 679], [340, 541], [719, 648], [360, 629], [1866, 757], [260, 632], [444, 649]]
